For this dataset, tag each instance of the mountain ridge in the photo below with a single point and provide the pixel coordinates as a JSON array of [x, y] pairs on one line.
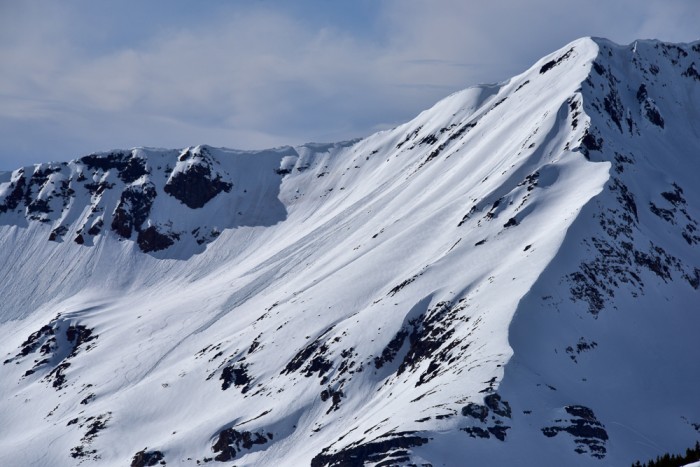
[[455, 254]]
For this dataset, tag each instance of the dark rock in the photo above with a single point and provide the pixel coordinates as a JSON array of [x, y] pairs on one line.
[[409, 137], [656, 261], [134, 169], [96, 425], [533, 179], [18, 191], [254, 345], [500, 101], [147, 458], [430, 340], [522, 85], [580, 411], [430, 139], [392, 348], [318, 364], [78, 452], [129, 167], [625, 198], [467, 216], [619, 258], [665, 214], [301, 357], [99, 187], [231, 442], [403, 284], [654, 116], [78, 335], [499, 431], [38, 179], [57, 233], [58, 375], [57, 352], [642, 93], [477, 411], [591, 143], [691, 72], [675, 197], [335, 395], [436, 152], [552, 63], [582, 346], [490, 215], [133, 209], [35, 339], [195, 186], [498, 406], [236, 375], [651, 113], [613, 107], [88, 399], [589, 434], [96, 228], [476, 432], [599, 68], [151, 240], [38, 206], [693, 280], [511, 223], [391, 446]]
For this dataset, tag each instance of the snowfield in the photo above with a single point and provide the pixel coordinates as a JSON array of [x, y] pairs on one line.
[[511, 278]]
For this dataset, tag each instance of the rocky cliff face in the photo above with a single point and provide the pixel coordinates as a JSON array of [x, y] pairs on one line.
[[150, 197], [510, 278]]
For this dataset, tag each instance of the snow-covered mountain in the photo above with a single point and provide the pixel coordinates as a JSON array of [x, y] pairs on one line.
[[511, 278]]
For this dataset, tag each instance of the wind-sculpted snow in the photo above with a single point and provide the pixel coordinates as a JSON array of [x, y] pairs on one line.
[[511, 278]]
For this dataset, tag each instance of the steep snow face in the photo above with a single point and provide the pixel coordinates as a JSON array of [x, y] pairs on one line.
[[610, 325], [511, 275]]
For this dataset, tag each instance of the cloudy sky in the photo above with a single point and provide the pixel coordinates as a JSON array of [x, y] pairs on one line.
[[79, 76]]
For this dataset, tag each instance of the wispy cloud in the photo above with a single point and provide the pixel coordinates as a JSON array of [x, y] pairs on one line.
[[257, 74]]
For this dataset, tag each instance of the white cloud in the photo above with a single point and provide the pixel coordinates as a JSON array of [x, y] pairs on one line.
[[256, 76], [671, 20]]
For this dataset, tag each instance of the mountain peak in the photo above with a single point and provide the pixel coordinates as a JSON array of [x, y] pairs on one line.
[[513, 274]]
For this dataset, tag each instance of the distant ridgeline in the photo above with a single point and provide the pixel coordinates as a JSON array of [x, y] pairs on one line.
[[155, 198]]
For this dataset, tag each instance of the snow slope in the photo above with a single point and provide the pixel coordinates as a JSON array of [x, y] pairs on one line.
[[509, 278]]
